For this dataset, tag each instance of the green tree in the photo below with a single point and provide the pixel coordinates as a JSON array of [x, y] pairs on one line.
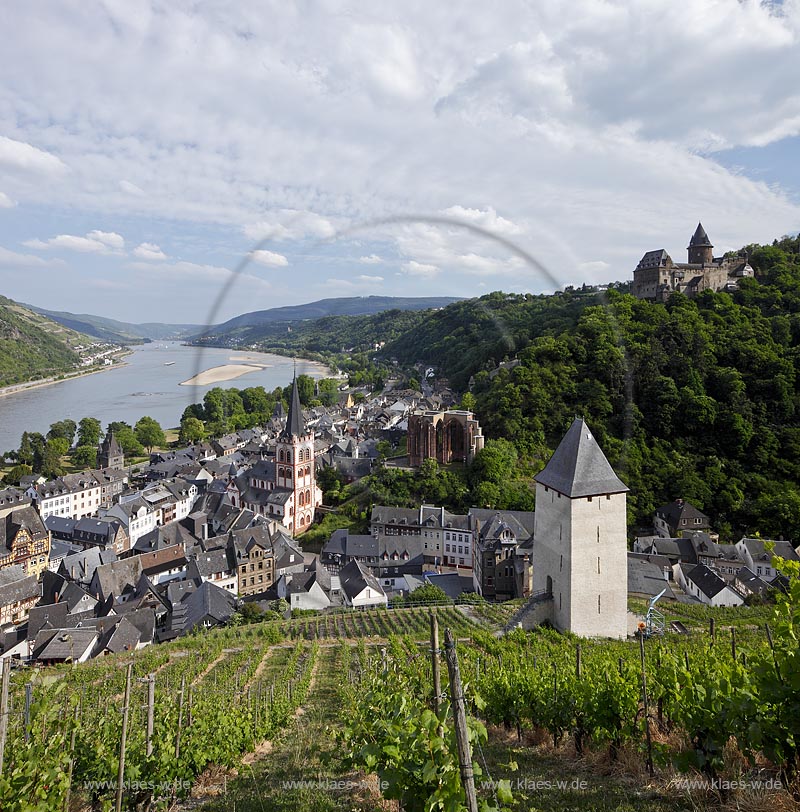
[[60, 445], [149, 433], [51, 458], [84, 456], [192, 430], [63, 429], [126, 438], [468, 402], [16, 473], [25, 453], [89, 431]]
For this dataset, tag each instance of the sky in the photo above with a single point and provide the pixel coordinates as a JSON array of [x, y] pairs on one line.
[[151, 150]]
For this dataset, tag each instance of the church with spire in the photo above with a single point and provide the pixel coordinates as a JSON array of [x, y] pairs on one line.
[[656, 276], [284, 488]]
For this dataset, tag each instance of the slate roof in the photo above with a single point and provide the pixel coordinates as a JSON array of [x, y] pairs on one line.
[[80, 566], [20, 589], [706, 580], [700, 238], [646, 578], [207, 603], [758, 551], [25, 517], [578, 466], [354, 579], [118, 577], [63, 644], [295, 425], [752, 582], [680, 509]]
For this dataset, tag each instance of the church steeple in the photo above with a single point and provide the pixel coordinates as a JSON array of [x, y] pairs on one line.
[[295, 424]]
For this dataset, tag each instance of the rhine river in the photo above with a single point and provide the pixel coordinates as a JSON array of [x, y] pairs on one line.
[[147, 383]]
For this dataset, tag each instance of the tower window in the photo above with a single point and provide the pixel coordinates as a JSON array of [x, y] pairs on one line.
[[598, 564], [598, 604], [561, 563]]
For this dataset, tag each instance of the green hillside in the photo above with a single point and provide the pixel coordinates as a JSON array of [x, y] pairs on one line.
[[119, 332], [32, 346]]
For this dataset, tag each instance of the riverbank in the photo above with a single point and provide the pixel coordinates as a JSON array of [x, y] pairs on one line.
[[16, 388]]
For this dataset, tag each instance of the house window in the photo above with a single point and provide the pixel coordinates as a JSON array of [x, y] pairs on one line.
[[588, 498]]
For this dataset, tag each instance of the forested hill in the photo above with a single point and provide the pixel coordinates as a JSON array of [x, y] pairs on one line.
[[696, 398], [32, 346]]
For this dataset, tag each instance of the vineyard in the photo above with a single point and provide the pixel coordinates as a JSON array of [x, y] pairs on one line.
[[538, 705]]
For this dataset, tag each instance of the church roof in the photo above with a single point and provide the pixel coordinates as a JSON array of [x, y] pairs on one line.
[[578, 466], [295, 425], [700, 238]]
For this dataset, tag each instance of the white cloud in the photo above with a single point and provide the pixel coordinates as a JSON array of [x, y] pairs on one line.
[[6, 202], [148, 250], [11, 259], [369, 279], [269, 258], [585, 131], [290, 224], [109, 238], [24, 156], [415, 268], [131, 188], [95, 242]]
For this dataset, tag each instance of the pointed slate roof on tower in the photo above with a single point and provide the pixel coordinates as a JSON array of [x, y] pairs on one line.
[[700, 238], [578, 466], [295, 425]]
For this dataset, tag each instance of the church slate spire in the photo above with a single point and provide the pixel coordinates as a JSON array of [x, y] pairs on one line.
[[578, 466], [295, 425]]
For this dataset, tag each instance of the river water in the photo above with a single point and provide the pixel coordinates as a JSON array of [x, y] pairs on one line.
[[147, 384]]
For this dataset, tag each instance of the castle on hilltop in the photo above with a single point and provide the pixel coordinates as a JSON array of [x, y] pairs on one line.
[[657, 276]]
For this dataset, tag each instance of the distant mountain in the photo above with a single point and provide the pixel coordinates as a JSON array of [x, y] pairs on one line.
[[33, 346], [352, 306], [119, 331]]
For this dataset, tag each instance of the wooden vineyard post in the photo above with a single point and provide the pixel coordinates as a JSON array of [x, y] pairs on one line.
[[437, 684], [646, 710], [180, 719], [733, 643], [71, 760], [123, 738], [151, 706], [4, 685], [28, 698], [460, 718], [712, 630], [578, 661]]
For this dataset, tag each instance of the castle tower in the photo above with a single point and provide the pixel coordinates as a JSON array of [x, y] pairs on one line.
[[701, 251], [294, 467], [580, 538], [110, 454]]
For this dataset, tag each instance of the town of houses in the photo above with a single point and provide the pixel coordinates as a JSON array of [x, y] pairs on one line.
[[110, 560]]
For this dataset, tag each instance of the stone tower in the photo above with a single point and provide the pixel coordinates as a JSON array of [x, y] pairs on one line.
[[294, 467], [580, 538], [110, 454], [701, 251]]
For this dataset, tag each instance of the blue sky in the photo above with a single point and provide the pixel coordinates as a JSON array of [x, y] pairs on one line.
[[147, 147]]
